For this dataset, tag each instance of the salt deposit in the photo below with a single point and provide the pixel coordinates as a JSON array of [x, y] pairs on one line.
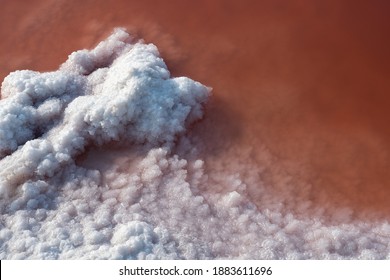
[[96, 164]]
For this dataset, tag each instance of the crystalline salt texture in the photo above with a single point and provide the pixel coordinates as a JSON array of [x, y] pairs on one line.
[[150, 203]]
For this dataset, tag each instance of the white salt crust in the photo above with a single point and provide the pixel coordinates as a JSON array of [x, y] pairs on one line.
[[146, 202]]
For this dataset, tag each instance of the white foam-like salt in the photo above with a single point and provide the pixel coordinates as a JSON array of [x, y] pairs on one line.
[[148, 203]]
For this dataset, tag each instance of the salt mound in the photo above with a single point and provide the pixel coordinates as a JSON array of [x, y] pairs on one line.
[[116, 92]]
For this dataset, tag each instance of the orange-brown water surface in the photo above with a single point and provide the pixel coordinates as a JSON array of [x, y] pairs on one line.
[[301, 86]]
